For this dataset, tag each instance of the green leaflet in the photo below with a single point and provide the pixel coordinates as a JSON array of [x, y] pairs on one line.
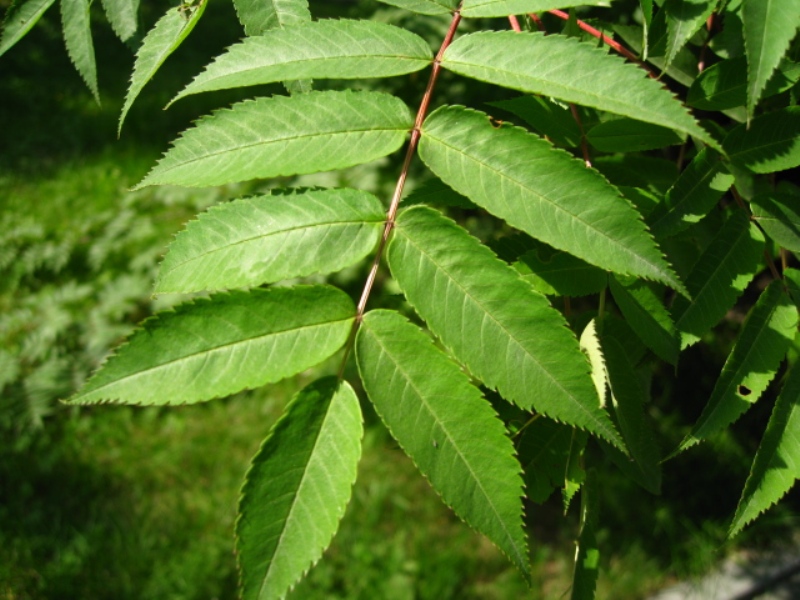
[[436, 193], [504, 332], [629, 396], [575, 473], [122, 15], [587, 557], [629, 135], [698, 188], [425, 7], [779, 214], [718, 278], [572, 71], [264, 239], [777, 463], [218, 346], [162, 40], [684, 19], [771, 142], [545, 116], [647, 21], [323, 49], [724, 85], [268, 137], [20, 17], [769, 26], [78, 39], [553, 272], [543, 450], [520, 178], [443, 423], [645, 311], [297, 488], [503, 8], [258, 16], [765, 337], [590, 345]]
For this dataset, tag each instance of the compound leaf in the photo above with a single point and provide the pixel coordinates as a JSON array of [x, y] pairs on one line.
[[777, 463], [258, 16], [541, 190], [268, 137], [122, 17], [297, 488], [719, 277], [444, 424], [264, 239], [684, 19], [571, 71], [78, 39], [20, 17], [698, 188], [769, 26], [425, 7], [323, 49], [765, 337], [645, 311], [218, 346], [770, 143], [162, 40], [503, 331], [503, 8]]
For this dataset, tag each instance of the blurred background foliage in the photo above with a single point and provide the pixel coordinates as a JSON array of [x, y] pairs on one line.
[[119, 502]]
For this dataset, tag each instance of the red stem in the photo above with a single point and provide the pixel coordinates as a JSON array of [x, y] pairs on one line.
[[391, 213]]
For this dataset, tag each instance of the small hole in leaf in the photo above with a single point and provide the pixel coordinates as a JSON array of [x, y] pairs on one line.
[[744, 390]]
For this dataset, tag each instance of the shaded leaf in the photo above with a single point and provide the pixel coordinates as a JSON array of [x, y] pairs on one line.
[[20, 17], [777, 463], [269, 238], [544, 447], [504, 332], [323, 49], [162, 40], [645, 311], [437, 193], [258, 16], [647, 21], [553, 272], [772, 142], [696, 191], [575, 474], [587, 557], [78, 39], [519, 177], [122, 15], [268, 137], [545, 116], [425, 7], [297, 488], [218, 346], [724, 85], [629, 135], [718, 278], [503, 8], [443, 423], [684, 19], [765, 337], [576, 72], [779, 214], [769, 26]]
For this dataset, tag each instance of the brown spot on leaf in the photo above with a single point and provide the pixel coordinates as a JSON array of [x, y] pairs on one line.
[[744, 390]]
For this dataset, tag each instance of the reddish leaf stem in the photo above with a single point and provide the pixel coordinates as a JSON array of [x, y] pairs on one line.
[[391, 213]]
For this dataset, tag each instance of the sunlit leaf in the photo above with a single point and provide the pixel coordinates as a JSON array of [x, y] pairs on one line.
[[264, 239], [575, 72], [214, 347], [684, 19], [268, 137], [779, 214], [297, 488], [322, 49], [78, 39], [441, 421], [520, 178], [20, 17], [771, 142], [425, 7], [502, 8], [765, 337], [162, 40], [777, 463], [506, 334], [258, 16], [122, 15]]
